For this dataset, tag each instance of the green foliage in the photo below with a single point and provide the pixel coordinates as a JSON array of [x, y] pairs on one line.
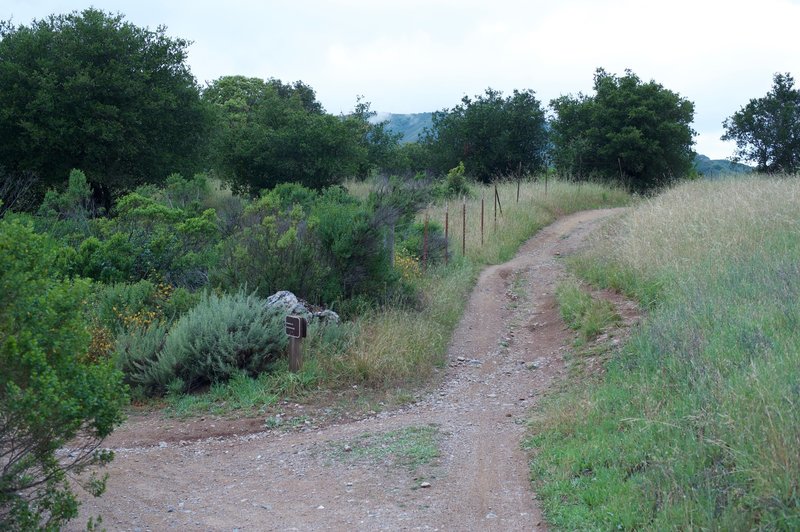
[[158, 233], [89, 90], [49, 392], [217, 339], [129, 306], [583, 312], [224, 335], [277, 249], [634, 132], [493, 135], [324, 247], [455, 184], [767, 129], [269, 133]]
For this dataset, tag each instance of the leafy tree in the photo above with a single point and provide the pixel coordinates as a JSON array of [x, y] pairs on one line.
[[491, 134], [629, 130], [89, 90], [51, 392], [767, 130], [270, 133]]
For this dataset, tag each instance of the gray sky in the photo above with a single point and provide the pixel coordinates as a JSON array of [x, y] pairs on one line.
[[424, 55]]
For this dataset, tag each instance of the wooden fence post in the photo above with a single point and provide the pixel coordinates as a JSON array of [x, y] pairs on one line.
[[425, 243], [483, 197], [446, 231], [464, 225]]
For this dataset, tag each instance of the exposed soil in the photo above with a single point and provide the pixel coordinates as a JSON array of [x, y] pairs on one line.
[[308, 472]]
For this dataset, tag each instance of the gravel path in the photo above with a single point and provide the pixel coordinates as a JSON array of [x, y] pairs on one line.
[[507, 351]]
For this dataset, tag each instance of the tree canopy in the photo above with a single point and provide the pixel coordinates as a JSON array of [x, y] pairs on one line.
[[767, 129], [89, 90], [491, 134], [269, 133], [630, 130]]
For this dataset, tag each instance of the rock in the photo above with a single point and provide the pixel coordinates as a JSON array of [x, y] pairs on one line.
[[162, 444], [326, 316], [532, 365], [288, 303], [425, 485], [347, 448]]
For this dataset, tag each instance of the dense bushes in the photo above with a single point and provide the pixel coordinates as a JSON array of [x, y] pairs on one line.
[[50, 390], [219, 338]]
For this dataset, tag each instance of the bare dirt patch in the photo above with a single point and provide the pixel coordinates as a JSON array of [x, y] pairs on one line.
[[375, 471]]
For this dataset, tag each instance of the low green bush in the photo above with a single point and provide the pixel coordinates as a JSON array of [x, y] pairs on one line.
[[220, 337]]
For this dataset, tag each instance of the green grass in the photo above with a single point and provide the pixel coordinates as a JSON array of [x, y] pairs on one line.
[[696, 425], [410, 447], [583, 313]]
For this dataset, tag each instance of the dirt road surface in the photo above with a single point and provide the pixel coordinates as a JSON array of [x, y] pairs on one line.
[[508, 349]]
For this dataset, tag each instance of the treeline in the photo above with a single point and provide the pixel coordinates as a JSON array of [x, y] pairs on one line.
[[93, 92]]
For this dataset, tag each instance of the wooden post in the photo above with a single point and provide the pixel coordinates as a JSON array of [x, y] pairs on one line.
[[495, 209], [497, 195], [295, 354], [519, 178], [483, 197], [425, 243], [296, 329], [446, 230], [545, 184], [464, 225]]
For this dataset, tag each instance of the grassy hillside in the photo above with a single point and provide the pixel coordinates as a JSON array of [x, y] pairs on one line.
[[411, 126], [719, 167], [696, 424]]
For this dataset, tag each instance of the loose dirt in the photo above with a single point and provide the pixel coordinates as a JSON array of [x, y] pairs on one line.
[[216, 474]]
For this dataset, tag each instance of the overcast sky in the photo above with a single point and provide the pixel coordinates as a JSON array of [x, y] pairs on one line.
[[424, 55]]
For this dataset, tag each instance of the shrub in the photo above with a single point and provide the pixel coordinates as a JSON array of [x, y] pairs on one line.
[[277, 249], [223, 335], [220, 337], [138, 354], [455, 184], [50, 390]]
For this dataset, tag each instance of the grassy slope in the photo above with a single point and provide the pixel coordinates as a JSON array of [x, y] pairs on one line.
[[696, 424]]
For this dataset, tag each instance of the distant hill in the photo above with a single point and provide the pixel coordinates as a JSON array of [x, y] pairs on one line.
[[717, 167], [409, 125], [412, 125]]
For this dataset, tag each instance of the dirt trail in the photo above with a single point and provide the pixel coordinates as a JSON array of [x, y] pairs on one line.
[[506, 351]]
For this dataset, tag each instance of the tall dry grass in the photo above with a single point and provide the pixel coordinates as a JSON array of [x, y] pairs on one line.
[[697, 424]]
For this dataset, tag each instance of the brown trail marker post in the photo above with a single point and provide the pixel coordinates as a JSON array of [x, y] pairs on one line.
[[296, 330]]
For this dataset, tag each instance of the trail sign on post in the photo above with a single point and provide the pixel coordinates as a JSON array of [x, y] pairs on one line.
[[296, 326], [296, 329]]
